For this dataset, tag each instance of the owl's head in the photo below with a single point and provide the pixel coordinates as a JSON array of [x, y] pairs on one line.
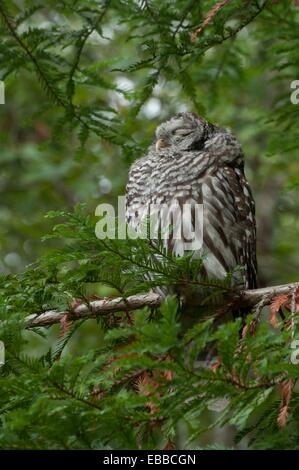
[[185, 131]]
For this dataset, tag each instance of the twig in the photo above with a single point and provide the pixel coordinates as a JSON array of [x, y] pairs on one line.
[[294, 309], [81, 44], [218, 6], [257, 311], [233, 32]]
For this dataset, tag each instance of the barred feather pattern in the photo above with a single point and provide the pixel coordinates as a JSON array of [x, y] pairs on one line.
[[207, 169]]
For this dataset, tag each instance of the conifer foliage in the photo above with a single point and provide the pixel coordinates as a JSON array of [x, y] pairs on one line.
[[130, 378]]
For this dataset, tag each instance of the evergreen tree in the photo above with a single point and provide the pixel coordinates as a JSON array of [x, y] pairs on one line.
[[95, 359]]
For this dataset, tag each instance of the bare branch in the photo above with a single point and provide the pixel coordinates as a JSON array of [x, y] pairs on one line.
[[254, 296], [106, 306], [96, 308]]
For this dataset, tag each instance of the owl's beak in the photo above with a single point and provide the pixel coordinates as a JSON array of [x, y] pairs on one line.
[[161, 144]]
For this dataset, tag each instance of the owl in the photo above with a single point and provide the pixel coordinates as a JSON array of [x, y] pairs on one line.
[[200, 164]]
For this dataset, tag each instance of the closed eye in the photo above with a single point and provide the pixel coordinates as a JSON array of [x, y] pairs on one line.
[[182, 132]]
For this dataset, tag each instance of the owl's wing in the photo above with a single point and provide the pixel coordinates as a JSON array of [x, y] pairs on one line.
[[138, 192], [229, 234]]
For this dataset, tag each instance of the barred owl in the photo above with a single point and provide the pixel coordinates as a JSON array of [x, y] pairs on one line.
[[195, 161]]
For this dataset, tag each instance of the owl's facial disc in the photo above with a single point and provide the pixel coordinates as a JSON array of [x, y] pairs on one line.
[[185, 131]]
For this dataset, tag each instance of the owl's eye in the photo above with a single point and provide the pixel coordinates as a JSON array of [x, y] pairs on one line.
[[182, 132]]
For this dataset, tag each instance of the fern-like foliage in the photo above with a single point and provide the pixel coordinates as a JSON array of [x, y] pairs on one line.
[[136, 379], [143, 377]]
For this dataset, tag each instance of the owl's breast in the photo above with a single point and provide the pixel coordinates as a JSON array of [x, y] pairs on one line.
[[176, 174]]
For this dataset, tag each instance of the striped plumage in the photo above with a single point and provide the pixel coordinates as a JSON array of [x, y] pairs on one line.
[[195, 161]]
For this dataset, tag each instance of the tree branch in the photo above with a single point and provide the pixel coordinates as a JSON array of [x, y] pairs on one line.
[[218, 6], [52, 90], [233, 31], [254, 296], [96, 308], [107, 306]]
